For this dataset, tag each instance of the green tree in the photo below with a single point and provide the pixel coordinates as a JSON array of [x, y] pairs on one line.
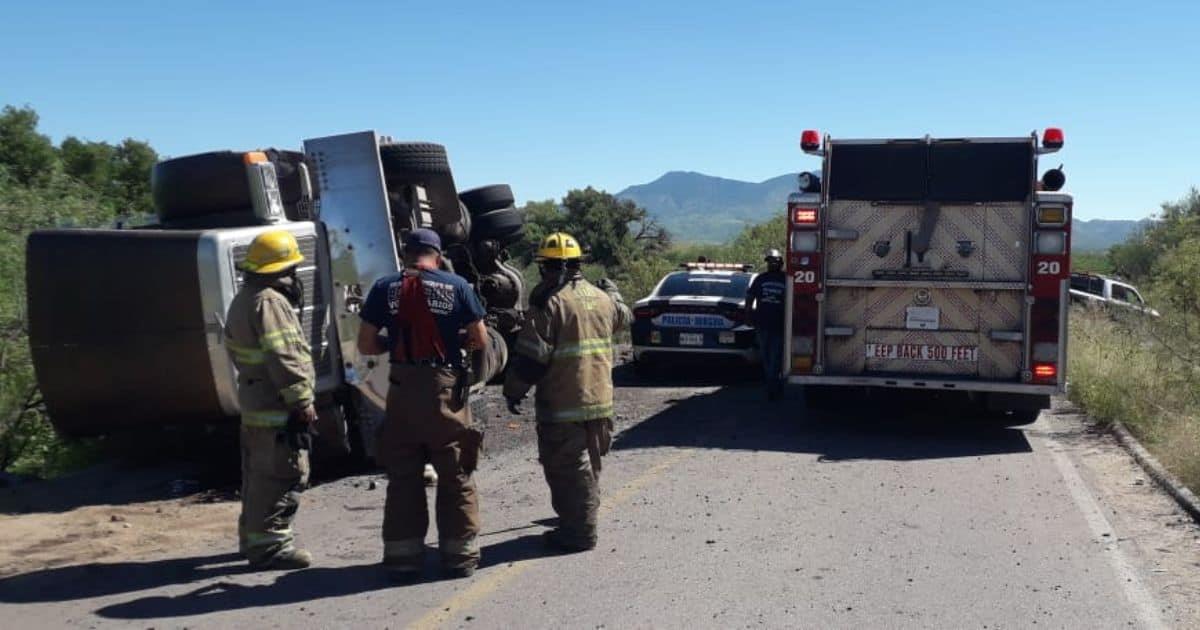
[[27, 156], [614, 232], [131, 164], [87, 162], [1177, 222]]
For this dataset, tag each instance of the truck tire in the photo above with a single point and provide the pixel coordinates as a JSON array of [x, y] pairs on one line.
[[505, 225], [413, 160], [487, 198], [201, 184], [1015, 418]]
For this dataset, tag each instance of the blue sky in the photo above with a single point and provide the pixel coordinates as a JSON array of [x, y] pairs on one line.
[[549, 96]]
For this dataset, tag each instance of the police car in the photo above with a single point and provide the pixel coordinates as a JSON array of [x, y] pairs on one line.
[[699, 310]]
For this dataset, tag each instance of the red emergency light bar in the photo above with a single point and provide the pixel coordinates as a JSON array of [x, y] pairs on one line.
[[1052, 138], [810, 140], [709, 266]]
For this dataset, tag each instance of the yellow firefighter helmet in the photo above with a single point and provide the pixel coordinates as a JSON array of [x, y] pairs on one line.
[[272, 252], [559, 246]]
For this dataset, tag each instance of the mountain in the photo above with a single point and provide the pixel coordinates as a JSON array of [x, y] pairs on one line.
[[1100, 234], [701, 208]]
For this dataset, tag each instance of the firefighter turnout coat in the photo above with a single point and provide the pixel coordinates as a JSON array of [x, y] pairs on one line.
[[566, 349], [264, 339]]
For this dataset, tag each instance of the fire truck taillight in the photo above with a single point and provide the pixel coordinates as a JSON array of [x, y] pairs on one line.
[[1051, 216], [1050, 243], [1052, 138], [804, 242], [804, 217], [810, 141], [1045, 372]]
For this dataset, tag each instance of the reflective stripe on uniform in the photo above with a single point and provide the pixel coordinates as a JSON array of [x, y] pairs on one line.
[[296, 392], [280, 339], [266, 419], [535, 349], [459, 547], [585, 347], [244, 355], [581, 414], [269, 539]]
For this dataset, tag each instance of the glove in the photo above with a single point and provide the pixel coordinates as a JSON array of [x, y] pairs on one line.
[[514, 404], [301, 427]]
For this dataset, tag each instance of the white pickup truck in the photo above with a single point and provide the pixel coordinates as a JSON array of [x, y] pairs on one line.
[[1102, 291]]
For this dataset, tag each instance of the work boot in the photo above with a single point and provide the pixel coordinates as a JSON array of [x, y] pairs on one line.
[[455, 573], [403, 569], [556, 540], [431, 476], [285, 561]]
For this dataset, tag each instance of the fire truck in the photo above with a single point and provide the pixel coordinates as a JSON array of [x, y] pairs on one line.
[[933, 264]]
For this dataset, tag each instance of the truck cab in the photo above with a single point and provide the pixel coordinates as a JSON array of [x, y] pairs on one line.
[[931, 264]]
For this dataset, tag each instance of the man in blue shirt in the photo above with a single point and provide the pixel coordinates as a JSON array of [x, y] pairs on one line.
[[432, 318], [765, 310]]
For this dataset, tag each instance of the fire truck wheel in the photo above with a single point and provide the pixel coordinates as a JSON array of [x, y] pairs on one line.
[[487, 198], [413, 160], [818, 397], [201, 184], [505, 225], [1015, 418]]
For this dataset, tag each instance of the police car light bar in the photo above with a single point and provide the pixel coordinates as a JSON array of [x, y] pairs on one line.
[[708, 266]]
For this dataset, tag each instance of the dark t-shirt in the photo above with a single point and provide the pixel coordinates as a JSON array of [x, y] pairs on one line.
[[768, 291], [451, 300]]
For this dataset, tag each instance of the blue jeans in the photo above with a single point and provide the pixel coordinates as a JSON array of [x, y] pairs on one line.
[[770, 347]]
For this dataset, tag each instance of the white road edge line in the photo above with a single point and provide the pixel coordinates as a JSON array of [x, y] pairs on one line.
[[1143, 602]]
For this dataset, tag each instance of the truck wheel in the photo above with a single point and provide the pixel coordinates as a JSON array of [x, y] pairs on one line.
[[202, 184], [505, 225], [819, 397], [403, 160], [487, 198], [1015, 418]]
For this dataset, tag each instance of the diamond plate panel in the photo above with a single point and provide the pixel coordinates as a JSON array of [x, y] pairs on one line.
[[882, 310], [995, 233]]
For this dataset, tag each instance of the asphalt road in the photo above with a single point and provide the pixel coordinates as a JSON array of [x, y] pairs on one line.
[[721, 510]]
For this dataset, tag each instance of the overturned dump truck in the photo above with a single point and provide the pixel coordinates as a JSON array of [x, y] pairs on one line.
[[126, 324]]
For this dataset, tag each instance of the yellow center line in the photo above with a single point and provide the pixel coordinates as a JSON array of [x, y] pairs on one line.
[[497, 578]]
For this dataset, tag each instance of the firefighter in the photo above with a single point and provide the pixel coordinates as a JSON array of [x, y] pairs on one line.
[[566, 350], [765, 311], [275, 392], [426, 313]]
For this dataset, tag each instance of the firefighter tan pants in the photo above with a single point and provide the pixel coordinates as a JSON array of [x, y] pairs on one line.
[[427, 423], [273, 474], [570, 456]]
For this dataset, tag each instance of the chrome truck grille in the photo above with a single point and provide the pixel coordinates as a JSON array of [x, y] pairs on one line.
[[316, 304]]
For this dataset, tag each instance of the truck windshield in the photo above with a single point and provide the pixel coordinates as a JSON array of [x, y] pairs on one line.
[[948, 171], [704, 284]]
